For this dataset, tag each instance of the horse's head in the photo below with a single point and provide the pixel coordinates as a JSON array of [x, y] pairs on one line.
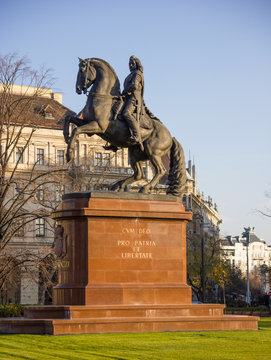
[[86, 76]]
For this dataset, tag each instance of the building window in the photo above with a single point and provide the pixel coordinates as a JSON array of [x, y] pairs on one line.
[[19, 192], [40, 193], [49, 116], [116, 159], [85, 150], [40, 156], [97, 159], [19, 155], [194, 227], [20, 228], [189, 203], [106, 159], [59, 192], [60, 157], [40, 227]]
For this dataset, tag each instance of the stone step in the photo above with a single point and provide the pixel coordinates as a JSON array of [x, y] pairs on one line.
[[126, 311], [136, 324]]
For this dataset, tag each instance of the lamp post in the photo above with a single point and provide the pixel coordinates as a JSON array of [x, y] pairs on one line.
[[202, 258], [202, 270], [248, 289]]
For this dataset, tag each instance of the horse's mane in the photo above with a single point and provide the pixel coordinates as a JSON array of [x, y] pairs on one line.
[[117, 83], [106, 64]]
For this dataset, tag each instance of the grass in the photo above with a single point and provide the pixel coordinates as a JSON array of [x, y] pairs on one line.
[[226, 345]]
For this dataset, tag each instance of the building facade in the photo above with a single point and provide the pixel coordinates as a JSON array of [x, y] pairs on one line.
[[202, 238], [206, 219], [249, 253]]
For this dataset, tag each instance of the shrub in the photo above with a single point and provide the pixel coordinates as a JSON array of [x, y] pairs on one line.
[[250, 309], [12, 310]]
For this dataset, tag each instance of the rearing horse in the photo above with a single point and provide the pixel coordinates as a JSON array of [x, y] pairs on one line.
[[98, 117]]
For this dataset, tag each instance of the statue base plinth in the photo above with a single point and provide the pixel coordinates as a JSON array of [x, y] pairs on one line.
[[123, 249]]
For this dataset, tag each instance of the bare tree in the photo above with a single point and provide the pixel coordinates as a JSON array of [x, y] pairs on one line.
[[264, 213], [20, 87], [267, 211]]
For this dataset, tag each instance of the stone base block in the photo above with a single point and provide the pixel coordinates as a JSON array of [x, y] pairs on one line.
[[123, 294], [115, 325], [122, 311], [64, 320]]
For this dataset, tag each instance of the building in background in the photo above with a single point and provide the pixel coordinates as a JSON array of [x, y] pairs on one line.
[[249, 251], [206, 219], [202, 240]]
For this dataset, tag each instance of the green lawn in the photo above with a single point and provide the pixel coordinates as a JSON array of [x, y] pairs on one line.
[[230, 345]]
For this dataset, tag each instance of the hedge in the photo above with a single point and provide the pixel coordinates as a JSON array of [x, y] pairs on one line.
[[12, 310]]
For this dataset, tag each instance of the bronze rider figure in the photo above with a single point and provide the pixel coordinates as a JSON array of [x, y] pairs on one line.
[[133, 99]]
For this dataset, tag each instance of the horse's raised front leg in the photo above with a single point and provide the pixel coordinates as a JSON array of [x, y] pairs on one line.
[[66, 128], [89, 129]]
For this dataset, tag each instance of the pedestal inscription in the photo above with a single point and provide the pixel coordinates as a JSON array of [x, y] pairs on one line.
[[138, 246]]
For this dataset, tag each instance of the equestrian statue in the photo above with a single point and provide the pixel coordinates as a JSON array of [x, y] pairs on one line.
[[124, 121]]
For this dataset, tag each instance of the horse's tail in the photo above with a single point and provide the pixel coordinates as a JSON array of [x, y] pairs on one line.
[[177, 171]]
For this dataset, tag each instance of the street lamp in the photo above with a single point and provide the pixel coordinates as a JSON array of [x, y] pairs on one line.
[[202, 269], [248, 289], [202, 257]]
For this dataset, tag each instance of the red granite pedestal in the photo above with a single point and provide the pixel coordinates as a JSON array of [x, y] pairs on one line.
[[123, 269]]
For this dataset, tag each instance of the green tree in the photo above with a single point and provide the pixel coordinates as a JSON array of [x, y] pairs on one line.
[[203, 254], [235, 289], [221, 275]]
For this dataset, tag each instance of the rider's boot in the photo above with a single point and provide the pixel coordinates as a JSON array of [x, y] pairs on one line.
[[135, 131], [137, 138]]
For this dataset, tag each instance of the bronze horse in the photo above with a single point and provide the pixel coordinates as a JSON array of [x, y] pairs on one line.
[[99, 116]]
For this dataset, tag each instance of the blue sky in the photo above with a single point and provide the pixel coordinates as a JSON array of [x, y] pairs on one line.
[[207, 77]]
